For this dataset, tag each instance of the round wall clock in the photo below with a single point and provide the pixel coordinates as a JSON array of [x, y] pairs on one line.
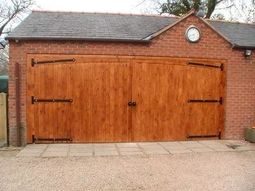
[[193, 34]]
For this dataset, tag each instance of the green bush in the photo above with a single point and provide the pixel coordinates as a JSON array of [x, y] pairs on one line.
[[4, 84]]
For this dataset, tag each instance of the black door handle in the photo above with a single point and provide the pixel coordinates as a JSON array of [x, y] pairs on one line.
[[130, 103]]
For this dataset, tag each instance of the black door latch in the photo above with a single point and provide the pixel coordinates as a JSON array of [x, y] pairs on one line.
[[131, 104]]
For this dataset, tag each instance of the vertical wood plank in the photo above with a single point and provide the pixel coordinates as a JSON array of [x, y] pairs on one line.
[[3, 117]]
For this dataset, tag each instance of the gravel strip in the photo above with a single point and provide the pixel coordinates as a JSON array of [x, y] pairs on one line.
[[219, 171]]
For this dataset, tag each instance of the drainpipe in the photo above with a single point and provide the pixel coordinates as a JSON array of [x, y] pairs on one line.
[[17, 80]]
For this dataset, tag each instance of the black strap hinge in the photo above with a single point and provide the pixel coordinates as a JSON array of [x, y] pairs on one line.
[[37, 139], [220, 101], [36, 100], [34, 62], [221, 66]]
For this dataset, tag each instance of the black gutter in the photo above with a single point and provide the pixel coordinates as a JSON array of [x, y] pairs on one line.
[[145, 40], [236, 46], [78, 39]]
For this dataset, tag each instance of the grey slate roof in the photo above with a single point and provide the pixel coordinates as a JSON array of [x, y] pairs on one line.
[[114, 27], [239, 34], [88, 26]]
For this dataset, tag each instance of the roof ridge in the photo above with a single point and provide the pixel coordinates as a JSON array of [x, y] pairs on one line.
[[230, 22], [135, 14], [109, 13]]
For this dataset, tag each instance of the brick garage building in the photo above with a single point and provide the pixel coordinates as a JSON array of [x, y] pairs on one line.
[[86, 77]]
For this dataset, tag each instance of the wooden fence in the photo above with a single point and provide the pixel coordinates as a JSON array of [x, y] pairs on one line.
[[3, 117]]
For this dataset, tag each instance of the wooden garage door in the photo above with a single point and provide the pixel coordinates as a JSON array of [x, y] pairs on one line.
[[49, 102], [120, 99], [100, 90], [158, 90], [99, 93], [205, 90]]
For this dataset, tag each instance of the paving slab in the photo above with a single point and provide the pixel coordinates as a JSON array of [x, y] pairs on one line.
[[174, 146], [170, 144], [131, 153], [32, 151], [215, 145], [236, 145], [126, 145], [54, 154], [129, 149], [61, 148], [191, 144], [29, 154], [245, 148], [37, 146], [81, 148], [105, 149], [222, 149], [58, 145], [9, 153], [232, 141], [155, 152], [148, 144], [81, 145], [252, 146], [210, 142], [80, 154], [106, 153], [152, 147], [201, 150], [104, 145], [180, 151]]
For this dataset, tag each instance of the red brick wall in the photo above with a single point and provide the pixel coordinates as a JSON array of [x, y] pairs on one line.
[[240, 107]]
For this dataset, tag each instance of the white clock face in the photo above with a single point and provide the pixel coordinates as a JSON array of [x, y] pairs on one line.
[[193, 34]]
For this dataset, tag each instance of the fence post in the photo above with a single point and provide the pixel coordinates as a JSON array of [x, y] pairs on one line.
[[3, 118]]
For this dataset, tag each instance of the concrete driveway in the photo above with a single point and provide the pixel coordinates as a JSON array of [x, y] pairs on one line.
[[196, 170]]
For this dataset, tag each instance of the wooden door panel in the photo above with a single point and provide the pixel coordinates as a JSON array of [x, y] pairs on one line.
[[158, 90], [62, 89], [80, 112], [204, 83], [205, 118], [100, 111], [48, 120], [99, 90]]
